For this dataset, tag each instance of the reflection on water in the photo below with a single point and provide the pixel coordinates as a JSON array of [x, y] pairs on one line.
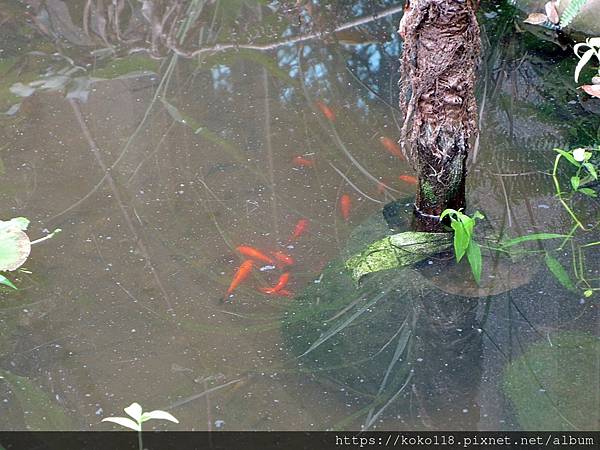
[[158, 160]]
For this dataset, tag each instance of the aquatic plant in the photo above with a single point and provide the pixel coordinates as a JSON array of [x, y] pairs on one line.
[[15, 246], [139, 417], [463, 226]]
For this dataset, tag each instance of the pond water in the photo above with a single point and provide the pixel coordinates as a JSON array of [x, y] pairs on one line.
[[157, 159]]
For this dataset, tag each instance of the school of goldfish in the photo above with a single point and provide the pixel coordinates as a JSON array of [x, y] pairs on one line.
[[282, 260]]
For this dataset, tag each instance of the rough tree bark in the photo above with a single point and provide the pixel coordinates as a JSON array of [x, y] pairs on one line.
[[439, 59]]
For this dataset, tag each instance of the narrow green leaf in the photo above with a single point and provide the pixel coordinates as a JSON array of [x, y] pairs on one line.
[[531, 237], [588, 191], [575, 181], [568, 157], [461, 240], [5, 281], [474, 257], [591, 169], [559, 272]]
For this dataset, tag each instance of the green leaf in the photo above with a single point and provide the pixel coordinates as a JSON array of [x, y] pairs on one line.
[[575, 181], [588, 191], [588, 293], [591, 169], [531, 237], [447, 212], [20, 223], [474, 257], [158, 414], [568, 157], [5, 281], [559, 272], [584, 59], [14, 247], [461, 240], [124, 422]]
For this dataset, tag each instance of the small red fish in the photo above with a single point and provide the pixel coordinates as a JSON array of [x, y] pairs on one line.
[[326, 110], [408, 179], [255, 254], [345, 205], [240, 275], [392, 147], [299, 229], [284, 259], [300, 161], [283, 281]]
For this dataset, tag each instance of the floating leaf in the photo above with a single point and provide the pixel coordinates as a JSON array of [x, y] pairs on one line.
[[592, 89], [14, 248], [559, 272], [536, 19]]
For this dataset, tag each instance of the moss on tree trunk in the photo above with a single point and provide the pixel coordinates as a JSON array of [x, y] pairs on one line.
[[439, 59]]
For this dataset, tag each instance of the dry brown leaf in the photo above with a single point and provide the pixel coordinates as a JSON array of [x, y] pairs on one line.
[[551, 12], [592, 89], [536, 18]]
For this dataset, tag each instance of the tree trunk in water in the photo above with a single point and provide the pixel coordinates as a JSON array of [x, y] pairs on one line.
[[439, 59]]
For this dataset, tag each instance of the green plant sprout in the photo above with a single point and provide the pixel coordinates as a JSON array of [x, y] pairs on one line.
[[586, 174], [463, 226], [15, 246], [139, 417]]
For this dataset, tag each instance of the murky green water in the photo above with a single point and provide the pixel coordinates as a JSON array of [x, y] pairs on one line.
[[157, 165]]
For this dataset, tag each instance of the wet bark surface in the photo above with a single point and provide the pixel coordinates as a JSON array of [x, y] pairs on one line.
[[440, 55]]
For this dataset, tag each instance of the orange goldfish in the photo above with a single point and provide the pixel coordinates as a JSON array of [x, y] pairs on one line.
[[299, 229], [240, 275], [408, 179], [345, 204], [300, 161], [392, 147], [284, 293], [285, 260], [255, 254], [283, 281], [326, 110]]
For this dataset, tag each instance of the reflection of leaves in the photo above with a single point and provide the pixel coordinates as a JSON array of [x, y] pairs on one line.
[[559, 272], [258, 57], [41, 412]]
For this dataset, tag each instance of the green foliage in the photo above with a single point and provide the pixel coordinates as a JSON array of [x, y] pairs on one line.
[[571, 11], [15, 246], [464, 244], [553, 385]]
